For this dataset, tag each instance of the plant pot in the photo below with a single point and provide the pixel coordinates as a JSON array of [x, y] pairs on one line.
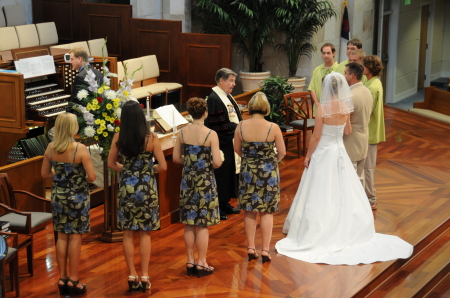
[[251, 80], [297, 83]]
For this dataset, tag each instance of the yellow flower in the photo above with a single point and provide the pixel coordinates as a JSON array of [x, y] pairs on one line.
[[94, 101], [99, 131], [97, 121], [109, 106], [117, 129], [88, 107], [102, 122], [111, 119], [116, 104], [125, 92], [105, 114], [103, 127], [107, 118], [106, 87], [100, 90], [96, 137], [105, 134], [97, 107]]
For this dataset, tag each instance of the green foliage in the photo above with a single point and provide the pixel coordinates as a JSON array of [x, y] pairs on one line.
[[275, 87], [300, 20]]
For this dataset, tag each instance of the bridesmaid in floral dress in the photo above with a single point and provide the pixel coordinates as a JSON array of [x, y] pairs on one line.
[[255, 141], [138, 196], [199, 205], [71, 174]]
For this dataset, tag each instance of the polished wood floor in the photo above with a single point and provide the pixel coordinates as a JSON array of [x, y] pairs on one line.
[[413, 183]]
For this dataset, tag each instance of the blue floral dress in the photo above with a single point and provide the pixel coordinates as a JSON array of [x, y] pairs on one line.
[[138, 194], [259, 182], [70, 197], [199, 203]]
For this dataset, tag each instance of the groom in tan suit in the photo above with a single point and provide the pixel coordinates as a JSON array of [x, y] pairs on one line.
[[356, 143]]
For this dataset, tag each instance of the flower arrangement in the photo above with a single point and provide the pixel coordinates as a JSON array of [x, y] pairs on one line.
[[100, 107]]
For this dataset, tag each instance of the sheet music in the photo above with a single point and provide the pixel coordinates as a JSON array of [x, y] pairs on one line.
[[36, 66], [169, 113]]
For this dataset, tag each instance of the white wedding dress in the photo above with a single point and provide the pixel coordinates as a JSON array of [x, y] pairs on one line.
[[330, 220]]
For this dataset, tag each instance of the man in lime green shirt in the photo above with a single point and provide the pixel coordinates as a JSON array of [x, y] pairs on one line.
[[357, 56], [372, 69], [352, 44], [329, 65]]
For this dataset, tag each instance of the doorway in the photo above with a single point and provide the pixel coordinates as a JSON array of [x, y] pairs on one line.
[[384, 51], [423, 46]]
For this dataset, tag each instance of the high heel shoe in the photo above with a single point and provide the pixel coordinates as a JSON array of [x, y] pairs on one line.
[[74, 290], [145, 284], [63, 290], [266, 258], [205, 271], [134, 284], [191, 270], [253, 256]]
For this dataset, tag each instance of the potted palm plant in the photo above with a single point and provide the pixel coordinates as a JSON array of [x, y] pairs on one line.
[[250, 22], [300, 20]]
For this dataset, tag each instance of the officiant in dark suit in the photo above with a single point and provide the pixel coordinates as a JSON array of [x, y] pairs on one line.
[[80, 61], [223, 117]]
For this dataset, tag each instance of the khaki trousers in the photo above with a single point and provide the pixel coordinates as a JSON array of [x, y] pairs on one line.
[[369, 173], [359, 168]]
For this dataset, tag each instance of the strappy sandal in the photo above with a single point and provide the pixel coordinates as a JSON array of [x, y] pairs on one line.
[[266, 258], [134, 284], [63, 290], [205, 271], [253, 256], [74, 290], [146, 285], [191, 270]]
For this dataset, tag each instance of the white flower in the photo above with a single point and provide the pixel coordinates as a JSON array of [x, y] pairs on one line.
[[110, 127], [118, 112], [110, 94], [82, 108], [82, 94], [89, 131], [106, 81]]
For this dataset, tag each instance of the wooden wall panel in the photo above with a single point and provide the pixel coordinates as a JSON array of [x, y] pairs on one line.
[[110, 21], [201, 55], [160, 38], [12, 112]]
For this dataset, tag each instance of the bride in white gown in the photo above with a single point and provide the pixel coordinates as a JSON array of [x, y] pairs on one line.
[[330, 220]]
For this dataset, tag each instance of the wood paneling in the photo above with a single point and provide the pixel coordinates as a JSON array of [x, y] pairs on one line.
[[107, 21], [160, 38], [201, 55], [12, 112]]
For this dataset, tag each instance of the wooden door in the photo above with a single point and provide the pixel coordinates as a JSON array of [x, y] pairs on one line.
[[200, 57], [384, 51], [423, 46]]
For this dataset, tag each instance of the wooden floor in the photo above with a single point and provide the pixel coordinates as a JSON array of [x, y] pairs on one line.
[[413, 184]]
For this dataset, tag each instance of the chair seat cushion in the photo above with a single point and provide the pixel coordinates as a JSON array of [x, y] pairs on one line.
[[309, 123], [139, 92], [11, 251], [155, 89], [170, 86], [19, 221]]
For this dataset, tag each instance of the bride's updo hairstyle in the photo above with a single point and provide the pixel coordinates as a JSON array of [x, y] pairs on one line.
[[335, 90], [196, 107], [259, 104]]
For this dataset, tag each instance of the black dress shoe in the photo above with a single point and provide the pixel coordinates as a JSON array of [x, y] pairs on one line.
[[231, 210], [223, 216]]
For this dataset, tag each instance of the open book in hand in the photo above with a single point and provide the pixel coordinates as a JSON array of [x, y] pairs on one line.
[[167, 117]]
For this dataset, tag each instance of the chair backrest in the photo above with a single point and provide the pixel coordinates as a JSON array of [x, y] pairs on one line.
[[28, 36], [132, 65], [47, 33], [62, 46], [120, 70], [8, 39], [2, 19], [298, 106], [95, 47], [15, 15], [82, 44], [6, 193], [151, 67]]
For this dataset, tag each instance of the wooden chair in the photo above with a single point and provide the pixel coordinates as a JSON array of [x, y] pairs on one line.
[[298, 112], [22, 222], [12, 259]]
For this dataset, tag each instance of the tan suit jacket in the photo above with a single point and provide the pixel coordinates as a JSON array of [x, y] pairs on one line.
[[357, 142]]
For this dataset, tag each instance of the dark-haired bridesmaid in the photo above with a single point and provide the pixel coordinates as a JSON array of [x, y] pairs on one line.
[[197, 147], [138, 196]]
